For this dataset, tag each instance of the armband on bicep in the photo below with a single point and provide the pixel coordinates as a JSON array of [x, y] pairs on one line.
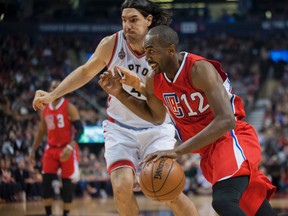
[[79, 129]]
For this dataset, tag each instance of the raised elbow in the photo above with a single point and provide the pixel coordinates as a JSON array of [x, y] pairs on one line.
[[226, 123], [230, 122]]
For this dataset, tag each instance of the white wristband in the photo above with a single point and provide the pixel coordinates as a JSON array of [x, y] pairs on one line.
[[69, 147]]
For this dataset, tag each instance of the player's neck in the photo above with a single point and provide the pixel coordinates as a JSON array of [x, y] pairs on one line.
[[173, 66], [56, 102], [137, 48]]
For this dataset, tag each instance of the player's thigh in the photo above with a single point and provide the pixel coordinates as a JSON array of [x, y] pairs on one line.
[[121, 146], [158, 138], [70, 167], [50, 164]]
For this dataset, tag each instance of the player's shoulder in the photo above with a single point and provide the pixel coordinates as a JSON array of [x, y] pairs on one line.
[[109, 40], [106, 47], [72, 109], [150, 82], [200, 65], [70, 104]]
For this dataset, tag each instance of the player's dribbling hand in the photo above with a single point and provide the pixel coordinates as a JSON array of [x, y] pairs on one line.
[[41, 98], [158, 154]]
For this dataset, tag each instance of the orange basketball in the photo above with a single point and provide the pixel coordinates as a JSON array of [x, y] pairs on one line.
[[163, 180]]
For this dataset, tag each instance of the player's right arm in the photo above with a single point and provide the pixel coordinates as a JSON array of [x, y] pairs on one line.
[[131, 79], [80, 76], [39, 137], [151, 110]]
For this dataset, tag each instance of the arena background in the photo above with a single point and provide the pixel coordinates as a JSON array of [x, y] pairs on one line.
[[41, 40]]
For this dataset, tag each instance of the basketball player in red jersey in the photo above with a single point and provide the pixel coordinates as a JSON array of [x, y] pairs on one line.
[[128, 138], [57, 120], [208, 117]]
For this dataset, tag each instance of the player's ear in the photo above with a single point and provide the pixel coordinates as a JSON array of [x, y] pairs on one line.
[[172, 49], [149, 19]]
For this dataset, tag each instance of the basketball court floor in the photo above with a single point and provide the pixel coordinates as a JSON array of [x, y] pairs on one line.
[[106, 207]]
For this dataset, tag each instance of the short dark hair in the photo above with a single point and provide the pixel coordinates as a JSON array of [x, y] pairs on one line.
[[166, 35], [145, 7]]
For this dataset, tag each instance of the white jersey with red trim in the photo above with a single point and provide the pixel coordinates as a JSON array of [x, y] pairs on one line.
[[124, 56]]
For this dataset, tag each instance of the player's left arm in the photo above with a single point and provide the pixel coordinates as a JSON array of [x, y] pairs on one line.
[[131, 79], [75, 119], [205, 77], [151, 110]]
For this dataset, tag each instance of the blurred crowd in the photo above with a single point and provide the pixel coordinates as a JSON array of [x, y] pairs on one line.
[[89, 10], [28, 63]]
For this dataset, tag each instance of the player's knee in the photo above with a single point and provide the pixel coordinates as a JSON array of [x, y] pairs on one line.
[[122, 183], [225, 204], [47, 185], [226, 195], [67, 191], [220, 204]]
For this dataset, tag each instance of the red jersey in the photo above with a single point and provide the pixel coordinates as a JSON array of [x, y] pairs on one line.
[[188, 106], [59, 126], [236, 153]]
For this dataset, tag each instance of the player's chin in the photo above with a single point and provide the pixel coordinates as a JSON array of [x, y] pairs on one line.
[[131, 39], [156, 70]]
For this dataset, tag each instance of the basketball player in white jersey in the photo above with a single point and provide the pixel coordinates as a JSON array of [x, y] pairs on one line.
[[128, 138]]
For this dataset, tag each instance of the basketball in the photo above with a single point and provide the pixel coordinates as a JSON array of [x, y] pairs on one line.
[[163, 180]]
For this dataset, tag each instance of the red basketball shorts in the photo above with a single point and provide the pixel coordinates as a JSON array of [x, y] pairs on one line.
[[238, 153], [51, 163]]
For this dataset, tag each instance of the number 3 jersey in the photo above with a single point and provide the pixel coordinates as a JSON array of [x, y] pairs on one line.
[[188, 106], [58, 124], [124, 56]]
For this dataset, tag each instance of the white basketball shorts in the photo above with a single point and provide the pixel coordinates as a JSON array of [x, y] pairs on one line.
[[127, 146]]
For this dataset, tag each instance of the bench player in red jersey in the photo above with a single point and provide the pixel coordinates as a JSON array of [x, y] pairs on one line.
[[208, 117], [61, 121]]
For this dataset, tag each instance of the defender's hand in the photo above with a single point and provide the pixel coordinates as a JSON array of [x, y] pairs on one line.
[[41, 98], [110, 83], [128, 77]]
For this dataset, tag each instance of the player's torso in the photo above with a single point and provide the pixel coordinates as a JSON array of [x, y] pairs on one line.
[[188, 106], [124, 56], [58, 124]]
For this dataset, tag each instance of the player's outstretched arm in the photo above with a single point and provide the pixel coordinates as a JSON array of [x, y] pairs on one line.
[[39, 137], [79, 76]]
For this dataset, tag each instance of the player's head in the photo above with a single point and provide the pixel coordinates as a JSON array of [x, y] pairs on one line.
[[160, 46], [54, 84], [138, 16]]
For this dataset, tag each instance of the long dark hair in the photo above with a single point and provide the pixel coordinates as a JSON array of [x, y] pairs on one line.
[[145, 7]]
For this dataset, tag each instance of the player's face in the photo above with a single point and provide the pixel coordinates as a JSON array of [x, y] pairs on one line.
[[135, 25], [157, 56], [54, 85]]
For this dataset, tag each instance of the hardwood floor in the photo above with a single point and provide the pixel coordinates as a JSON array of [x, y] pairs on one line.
[[106, 207]]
